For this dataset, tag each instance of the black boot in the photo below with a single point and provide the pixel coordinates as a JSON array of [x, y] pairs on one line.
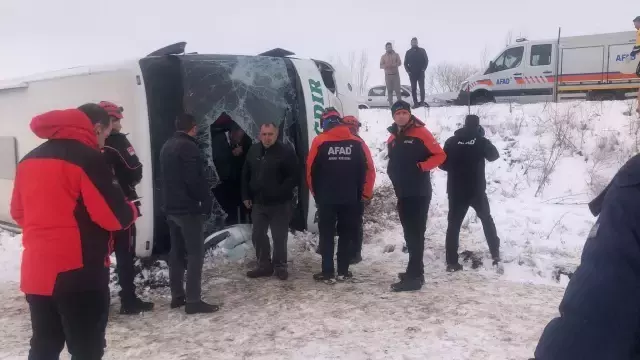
[[178, 302], [344, 277], [282, 273], [200, 307], [135, 306], [454, 267], [323, 277], [260, 271], [356, 259], [411, 284], [403, 276]]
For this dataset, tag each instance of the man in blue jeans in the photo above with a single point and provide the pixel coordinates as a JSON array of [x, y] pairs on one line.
[[187, 203]]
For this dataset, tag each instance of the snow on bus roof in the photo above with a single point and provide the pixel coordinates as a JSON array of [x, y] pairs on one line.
[[23, 82]]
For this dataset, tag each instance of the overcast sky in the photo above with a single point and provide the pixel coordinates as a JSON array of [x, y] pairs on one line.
[[41, 35]]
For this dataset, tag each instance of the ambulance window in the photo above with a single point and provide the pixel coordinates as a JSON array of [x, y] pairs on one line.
[[541, 55], [510, 59], [377, 91]]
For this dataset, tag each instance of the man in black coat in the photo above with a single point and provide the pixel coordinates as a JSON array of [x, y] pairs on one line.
[[187, 204], [229, 151], [600, 308], [269, 177], [126, 166], [466, 152], [416, 62]]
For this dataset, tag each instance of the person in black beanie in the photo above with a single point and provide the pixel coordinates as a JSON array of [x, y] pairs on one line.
[[466, 152], [413, 153]]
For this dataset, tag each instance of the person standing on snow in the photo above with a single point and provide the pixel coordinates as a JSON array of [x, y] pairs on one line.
[[269, 177], [466, 152], [127, 169], [340, 175], [416, 62], [600, 308], [390, 62], [187, 204], [67, 203], [356, 246], [413, 153]]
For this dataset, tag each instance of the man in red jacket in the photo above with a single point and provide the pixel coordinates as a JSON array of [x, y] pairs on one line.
[[413, 153], [67, 222], [340, 175]]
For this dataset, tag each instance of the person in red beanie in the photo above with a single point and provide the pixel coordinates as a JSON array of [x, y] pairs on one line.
[[67, 222], [127, 169]]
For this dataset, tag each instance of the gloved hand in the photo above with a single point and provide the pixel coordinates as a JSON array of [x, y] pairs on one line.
[[138, 205]]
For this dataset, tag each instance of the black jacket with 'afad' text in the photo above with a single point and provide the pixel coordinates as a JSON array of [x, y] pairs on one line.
[[466, 152]]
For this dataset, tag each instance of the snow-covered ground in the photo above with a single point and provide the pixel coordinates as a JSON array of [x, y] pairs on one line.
[[573, 149]]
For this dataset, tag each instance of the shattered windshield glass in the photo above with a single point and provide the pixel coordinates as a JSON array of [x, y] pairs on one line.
[[249, 90]]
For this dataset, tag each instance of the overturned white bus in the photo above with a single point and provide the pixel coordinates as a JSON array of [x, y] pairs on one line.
[[271, 87]]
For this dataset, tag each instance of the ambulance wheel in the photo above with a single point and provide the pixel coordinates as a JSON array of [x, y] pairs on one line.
[[481, 99], [603, 96]]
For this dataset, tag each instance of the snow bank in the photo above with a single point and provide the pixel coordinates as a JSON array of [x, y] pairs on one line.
[[554, 159], [10, 255]]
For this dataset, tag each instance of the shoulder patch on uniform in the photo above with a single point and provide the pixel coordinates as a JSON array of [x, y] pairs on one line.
[[131, 151]]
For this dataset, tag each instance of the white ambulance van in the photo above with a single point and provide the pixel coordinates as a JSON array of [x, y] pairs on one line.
[[252, 90], [591, 67]]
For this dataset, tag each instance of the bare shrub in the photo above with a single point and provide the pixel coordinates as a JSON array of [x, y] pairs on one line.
[[558, 124], [448, 77]]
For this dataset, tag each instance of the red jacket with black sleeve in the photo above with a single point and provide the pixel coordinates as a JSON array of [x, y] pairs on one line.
[[67, 203], [413, 153], [339, 168]]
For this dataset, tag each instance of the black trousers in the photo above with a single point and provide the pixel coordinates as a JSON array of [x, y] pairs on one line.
[[75, 318], [344, 218], [229, 196], [413, 213], [458, 207], [417, 79], [124, 249], [277, 218], [187, 252], [356, 245]]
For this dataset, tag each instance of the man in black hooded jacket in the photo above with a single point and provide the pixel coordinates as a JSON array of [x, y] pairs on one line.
[[466, 152]]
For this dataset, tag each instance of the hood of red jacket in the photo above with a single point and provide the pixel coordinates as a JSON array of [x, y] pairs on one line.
[[70, 124]]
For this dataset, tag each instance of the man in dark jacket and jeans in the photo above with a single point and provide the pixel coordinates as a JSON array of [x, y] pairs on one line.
[[127, 169], [187, 204], [413, 153], [416, 62], [269, 177], [466, 152], [601, 306]]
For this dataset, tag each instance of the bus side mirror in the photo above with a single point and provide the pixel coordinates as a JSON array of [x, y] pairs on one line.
[[492, 66]]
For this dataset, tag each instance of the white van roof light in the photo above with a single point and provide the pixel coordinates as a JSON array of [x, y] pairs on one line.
[[522, 39]]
